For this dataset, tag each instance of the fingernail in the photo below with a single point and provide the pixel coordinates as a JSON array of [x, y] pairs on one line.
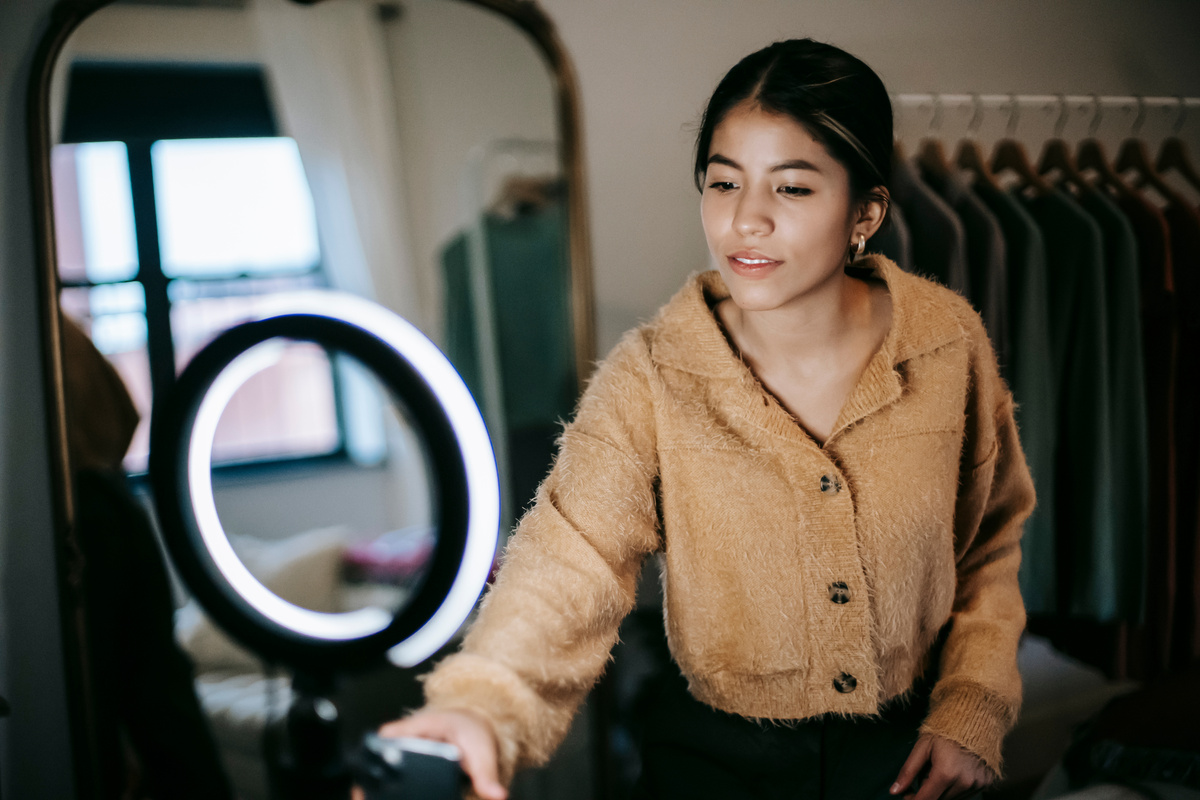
[[895, 788]]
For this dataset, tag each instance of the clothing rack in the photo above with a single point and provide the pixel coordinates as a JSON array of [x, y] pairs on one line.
[[1100, 225], [1038, 117]]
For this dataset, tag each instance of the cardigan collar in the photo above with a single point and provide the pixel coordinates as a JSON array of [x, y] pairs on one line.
[[689, 338]]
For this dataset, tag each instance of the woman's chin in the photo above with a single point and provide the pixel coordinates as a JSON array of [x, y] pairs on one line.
[[757, 300]]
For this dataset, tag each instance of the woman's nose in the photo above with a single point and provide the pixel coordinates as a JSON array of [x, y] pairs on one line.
[[752, 215]]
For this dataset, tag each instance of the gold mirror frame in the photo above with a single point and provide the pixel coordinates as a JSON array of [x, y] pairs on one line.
[[65, 17]]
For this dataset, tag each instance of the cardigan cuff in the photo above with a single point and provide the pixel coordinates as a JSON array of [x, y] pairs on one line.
[[975, 718], [465, 682]]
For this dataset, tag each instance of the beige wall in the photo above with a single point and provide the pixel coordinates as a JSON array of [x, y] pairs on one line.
[[464, 77], [646, 68]]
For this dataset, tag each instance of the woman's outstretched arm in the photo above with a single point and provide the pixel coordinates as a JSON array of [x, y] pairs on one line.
[[568, 575]]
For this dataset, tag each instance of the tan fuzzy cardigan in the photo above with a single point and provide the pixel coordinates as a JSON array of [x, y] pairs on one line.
[[799, 579]]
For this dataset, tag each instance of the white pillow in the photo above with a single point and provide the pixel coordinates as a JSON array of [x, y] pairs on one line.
[[304, 569]]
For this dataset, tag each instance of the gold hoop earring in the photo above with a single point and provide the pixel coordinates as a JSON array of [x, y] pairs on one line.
[[856, 250]]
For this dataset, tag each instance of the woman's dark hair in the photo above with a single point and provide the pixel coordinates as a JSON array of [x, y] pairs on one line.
[[839, 99]]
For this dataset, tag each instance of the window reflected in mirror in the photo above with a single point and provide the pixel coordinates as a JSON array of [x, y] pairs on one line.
[[227, 222]]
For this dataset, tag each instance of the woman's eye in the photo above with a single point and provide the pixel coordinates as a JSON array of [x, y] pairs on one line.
[[722, 186], [795, 191]]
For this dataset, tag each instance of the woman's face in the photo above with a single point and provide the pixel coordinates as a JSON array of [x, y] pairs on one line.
[[776, 209]]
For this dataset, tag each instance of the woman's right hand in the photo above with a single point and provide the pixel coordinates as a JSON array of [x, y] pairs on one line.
[[468, 732]]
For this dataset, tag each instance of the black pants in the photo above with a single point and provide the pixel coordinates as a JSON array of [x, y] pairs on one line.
[[692, 751]]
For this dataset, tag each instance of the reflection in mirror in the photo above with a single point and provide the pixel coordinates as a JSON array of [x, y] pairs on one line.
[[207, 157], [235, 224], [366, 547]]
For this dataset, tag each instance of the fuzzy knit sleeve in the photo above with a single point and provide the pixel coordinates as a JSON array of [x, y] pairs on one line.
[[978, 693], [568, 574]]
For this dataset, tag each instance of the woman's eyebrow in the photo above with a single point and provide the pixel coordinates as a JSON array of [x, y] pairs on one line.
[[798, 163], [717, 158]]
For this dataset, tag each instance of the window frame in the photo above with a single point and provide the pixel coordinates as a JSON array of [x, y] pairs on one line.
[[139, 104]]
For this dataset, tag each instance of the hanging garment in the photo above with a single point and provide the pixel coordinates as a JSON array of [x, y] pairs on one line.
[[986, 257], [1160, 345], [1127, 393], [1183, 222], [939, 244], [1032, 379], [1089, 575], [894, 240], [531, 299]]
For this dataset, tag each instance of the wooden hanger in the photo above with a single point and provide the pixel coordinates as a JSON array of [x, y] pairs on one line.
[[971, 158], [932, 157], [1173, 155], [522, 195], [1090, 155], [970, 155], [1009, 155], [1056, 155], [1134, 156]]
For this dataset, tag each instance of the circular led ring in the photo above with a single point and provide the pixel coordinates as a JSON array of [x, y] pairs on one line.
[[467, 493]]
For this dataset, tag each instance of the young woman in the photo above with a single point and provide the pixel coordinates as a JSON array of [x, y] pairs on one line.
[[823, 451]]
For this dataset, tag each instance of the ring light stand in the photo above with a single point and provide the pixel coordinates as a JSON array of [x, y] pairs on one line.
[[317, 647]]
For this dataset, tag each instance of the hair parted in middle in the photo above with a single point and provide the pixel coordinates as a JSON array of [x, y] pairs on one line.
[[835, 96]]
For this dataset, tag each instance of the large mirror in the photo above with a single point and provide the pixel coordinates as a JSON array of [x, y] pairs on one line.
[[197, 160]]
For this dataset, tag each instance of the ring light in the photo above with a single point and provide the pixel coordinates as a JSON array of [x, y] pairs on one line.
[[466, 490], [336, 627]]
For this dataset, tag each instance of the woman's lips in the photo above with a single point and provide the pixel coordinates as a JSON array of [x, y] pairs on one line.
[[751, 266]]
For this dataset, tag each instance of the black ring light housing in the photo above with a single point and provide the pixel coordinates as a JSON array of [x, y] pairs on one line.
[[170, 460]]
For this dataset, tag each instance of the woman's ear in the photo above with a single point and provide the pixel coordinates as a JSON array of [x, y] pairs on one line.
[[871, 212]]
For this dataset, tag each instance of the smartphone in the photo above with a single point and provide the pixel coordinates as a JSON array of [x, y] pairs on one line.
[[409, 769]]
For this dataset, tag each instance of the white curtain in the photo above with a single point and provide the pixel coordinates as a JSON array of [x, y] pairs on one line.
[[328, 69]]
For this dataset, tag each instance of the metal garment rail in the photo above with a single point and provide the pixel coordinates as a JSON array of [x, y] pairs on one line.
[[1037, 117]]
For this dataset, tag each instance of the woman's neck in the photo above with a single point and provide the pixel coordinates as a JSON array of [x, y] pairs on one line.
[[812, 329]]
